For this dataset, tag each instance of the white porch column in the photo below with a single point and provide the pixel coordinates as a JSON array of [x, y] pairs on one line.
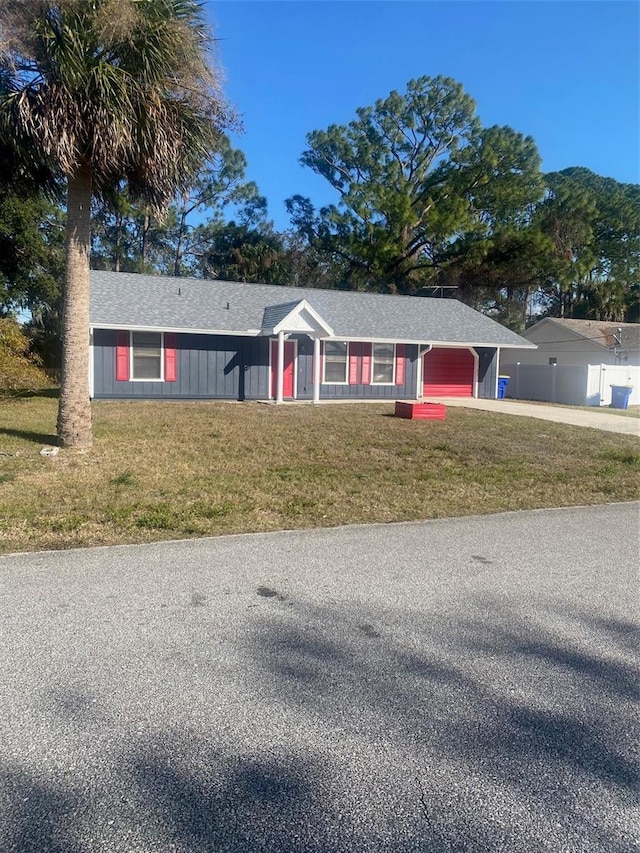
[[280, 370], [316, 370], [423, 349]]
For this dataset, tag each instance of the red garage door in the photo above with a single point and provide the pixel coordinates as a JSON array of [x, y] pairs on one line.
[[448, 372]]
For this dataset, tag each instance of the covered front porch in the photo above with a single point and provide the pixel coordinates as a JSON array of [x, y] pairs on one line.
[[284, 324]]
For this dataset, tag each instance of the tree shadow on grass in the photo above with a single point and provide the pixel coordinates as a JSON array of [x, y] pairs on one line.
[[27, 435]]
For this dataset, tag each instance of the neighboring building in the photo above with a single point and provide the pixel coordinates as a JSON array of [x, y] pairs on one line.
[[184, 338], [579, 342], [577, 362]]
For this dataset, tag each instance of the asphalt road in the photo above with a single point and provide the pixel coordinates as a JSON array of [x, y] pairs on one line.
[[453, 685]]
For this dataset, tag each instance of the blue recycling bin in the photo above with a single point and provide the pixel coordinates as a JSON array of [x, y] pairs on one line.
[[620, 396], [503, 382]]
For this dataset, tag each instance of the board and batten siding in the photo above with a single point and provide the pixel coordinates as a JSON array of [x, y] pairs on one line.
[[487, 372], [222, 367], [208, 367], [355, 392]]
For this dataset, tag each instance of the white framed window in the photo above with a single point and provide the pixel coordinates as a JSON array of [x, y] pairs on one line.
[[384, 360], [336, 362], [146, 356]]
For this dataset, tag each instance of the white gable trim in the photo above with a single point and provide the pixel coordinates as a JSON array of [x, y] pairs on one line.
[[302, 319]]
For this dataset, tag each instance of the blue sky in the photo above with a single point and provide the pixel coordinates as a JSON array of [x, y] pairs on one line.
[[567, 73]]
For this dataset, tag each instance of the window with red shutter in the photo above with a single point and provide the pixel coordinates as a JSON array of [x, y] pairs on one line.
[[122, 357], [146, 356], [383, 364], [170, 357], [354, 363], [400, 363], [336, 362], [366, 364]]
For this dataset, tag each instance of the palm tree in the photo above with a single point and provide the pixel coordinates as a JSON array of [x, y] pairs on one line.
[[97, 92]]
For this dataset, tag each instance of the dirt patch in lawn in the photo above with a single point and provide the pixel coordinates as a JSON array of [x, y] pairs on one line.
[[169, 470]]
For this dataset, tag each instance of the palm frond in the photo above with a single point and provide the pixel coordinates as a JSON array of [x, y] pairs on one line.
[[125, 86]]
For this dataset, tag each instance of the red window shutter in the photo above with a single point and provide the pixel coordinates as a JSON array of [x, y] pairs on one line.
[[366, 364], [354, 351], [170, 357], [400, 364], [122, 357]]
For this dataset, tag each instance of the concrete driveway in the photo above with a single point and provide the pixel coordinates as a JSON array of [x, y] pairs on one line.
[[453, 685], [596, 419]]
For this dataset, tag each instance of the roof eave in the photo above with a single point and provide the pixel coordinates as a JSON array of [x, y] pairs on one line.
[[136, 327], [187, 330]]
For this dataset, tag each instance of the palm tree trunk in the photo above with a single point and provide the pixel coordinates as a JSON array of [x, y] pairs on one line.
[[146, 225], [119, 230], [178, 257], [74, 411]]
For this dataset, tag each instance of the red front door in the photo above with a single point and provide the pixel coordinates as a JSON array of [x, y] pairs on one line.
[[288, 376], [448, 372]]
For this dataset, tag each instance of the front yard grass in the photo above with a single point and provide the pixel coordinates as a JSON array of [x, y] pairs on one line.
[[170, 470]]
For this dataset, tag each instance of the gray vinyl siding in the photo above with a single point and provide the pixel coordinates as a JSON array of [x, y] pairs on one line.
[[487, 372]]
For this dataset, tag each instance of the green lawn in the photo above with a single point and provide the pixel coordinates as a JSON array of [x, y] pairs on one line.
[[167, 470]]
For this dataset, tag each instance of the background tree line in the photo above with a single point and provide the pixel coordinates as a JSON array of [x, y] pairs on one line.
[[428, 203]]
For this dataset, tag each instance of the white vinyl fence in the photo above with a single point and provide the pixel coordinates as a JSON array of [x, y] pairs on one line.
[[582, 385]]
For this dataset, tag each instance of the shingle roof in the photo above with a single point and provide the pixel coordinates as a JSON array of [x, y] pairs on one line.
[[130, 300], [602, 332], [273, 314]]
